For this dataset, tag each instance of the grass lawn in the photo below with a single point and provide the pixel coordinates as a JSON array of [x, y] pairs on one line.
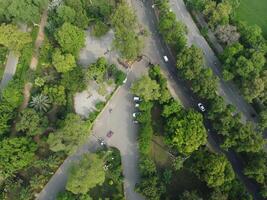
[[253, 12]]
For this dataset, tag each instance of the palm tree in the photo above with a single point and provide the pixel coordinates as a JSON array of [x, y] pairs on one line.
[[40, 102]]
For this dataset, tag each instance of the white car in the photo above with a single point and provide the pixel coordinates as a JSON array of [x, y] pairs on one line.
[[165, 58], [137, 105], [135, 115], [125, 80], [201, 107], [135, 121], [136, 98]]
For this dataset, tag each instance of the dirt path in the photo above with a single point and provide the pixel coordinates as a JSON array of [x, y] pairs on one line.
[[39, 41], [26, 95]]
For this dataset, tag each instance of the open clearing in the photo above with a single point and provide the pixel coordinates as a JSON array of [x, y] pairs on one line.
[[253, 12]]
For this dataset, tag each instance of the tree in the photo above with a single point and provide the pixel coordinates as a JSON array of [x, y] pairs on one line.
[[172, 30], [263, 120], [74, 80], [86, 174], [251, 89], [214, 169], [127, 41], [31, 123], [63, 63], [256, 167], [190, 62], [146, 88], [12, 38], [23, 11], [70, 38], [193, 195], [227, 34], [56, 94], [40, 103], [243, 138], [65, 14], [187, 132], [97, 71], [72, 133], [15, 154], [172, 107], [206, 84]]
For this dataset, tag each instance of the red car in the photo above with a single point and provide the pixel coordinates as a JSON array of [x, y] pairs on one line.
[[109, 134]]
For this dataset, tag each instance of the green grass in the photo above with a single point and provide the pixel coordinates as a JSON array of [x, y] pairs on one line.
[[253, 12]]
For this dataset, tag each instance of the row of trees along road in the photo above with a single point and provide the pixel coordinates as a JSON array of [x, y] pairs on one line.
[[245, 139]]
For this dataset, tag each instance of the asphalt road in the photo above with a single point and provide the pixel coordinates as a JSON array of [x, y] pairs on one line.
[[10, 69]]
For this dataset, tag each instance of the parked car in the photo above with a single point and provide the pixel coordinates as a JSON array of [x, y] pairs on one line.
[[135, 121], [201, 107], [135, 114], [125, 80], [137, 105], [136, 98], [165, 58], [109, 134]]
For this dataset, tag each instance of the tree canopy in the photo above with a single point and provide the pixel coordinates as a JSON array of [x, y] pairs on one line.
[[63, 63], [146, 88], [70, 38], [22, 11], [186, 132], [127, 41], [86, 174], [15, 154], [70, 135], [13, 38], [214, 169]]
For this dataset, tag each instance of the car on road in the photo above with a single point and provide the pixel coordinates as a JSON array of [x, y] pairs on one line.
[[165, 58], [135, 114], [109, 134], [201, 107], [136, 98]]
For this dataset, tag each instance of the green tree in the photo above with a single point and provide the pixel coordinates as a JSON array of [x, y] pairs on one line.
[[23, 11], [187, 132], [56, 94], [65, 14], [256, 167], [214, 169], [40, 103], [146, 88], [63, 63], [206, 84], [72, 133], [86, 174], [70, 38], [97, 71], [172, 107], [127, 41], [190, 62], [193, 195], [263, 120], [15, 154], [31, 122], [172, 30], [74, 80], [12, 38]]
